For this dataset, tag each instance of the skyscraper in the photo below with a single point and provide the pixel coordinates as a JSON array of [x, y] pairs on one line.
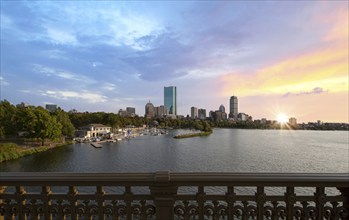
[[233, 106], [222, 108], [202, 113], [170, 99], [194, 112], [149, 110]]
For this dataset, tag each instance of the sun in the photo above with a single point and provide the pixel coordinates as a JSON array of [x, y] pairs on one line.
[[282, 118]]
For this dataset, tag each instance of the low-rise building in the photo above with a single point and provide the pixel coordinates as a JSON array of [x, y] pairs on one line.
[[292, 121], [161, 111], [93, 130], [51, 107]]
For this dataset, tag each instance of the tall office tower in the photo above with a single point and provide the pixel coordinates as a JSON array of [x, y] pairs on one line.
[[149, 110], [233, 107], [194, 112], [170, 99]]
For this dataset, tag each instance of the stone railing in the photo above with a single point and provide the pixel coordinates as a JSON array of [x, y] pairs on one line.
[[165, 195]]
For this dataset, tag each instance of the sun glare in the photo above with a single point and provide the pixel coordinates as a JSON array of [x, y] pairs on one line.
[[282, 118]]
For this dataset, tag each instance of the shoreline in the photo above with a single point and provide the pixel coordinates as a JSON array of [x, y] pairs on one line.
[[12, 151], [190, 135]]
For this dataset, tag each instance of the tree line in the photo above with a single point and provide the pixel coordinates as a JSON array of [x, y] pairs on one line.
[[37, 122]]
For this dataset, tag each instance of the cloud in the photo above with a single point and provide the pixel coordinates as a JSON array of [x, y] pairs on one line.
[[316, 90], [80, 95], [108, 86], [325, 67], [3, 82], [61, 37], [48, 71]]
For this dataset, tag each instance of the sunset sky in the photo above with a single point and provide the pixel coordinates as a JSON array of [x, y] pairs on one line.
[[287, 57]]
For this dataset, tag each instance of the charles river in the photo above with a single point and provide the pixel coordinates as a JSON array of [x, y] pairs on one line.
[[226, 150]]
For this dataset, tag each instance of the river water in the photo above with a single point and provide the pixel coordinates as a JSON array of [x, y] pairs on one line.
[[226, 150]]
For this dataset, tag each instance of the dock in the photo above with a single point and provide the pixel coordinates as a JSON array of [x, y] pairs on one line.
[[96, 145]]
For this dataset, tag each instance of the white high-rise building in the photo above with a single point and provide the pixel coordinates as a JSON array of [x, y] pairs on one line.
[[194, 112]]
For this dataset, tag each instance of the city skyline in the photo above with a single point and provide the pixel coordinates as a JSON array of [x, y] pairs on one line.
[[276, 57]]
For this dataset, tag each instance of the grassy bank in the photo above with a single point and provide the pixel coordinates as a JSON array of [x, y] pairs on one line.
[[11, 151], [200, 134]]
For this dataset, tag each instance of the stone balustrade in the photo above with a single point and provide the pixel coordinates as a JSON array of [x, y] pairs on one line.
[[167, 195]]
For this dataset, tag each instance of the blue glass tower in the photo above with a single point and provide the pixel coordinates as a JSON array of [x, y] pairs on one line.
[[170, 99]]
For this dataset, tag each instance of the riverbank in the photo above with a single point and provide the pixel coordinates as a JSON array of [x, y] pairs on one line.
[[11, 151], [200, 134]]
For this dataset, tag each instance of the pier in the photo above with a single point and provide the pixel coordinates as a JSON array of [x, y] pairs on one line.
[[96, 145]]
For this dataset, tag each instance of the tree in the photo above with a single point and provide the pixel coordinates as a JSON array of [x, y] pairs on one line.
[[62, 117], [7, 118], [46, 125]]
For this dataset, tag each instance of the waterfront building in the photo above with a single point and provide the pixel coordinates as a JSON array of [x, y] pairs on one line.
[[122, 113], [242, 116], [202, 113], [210, 114], [233, 102], [292, 121], [161, 111], [170, 99], [22, 105], [264, 121], [93, 130], [51, 107], [194, 112], [149, 110], [131, 110], [218, 115]]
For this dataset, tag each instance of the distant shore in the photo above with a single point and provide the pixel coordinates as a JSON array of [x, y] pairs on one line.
[[199, 134]]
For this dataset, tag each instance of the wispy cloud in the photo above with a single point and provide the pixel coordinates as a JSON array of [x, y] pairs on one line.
[[80, 95], [49, 71], [108, 86], [316, 90], [3, 82]]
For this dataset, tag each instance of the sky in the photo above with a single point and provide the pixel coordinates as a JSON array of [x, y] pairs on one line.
[[287, 57]]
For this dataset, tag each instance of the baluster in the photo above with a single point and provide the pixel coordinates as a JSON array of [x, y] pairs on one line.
[[60, 214], [274, 215], [72, 198], [87, 212], [345, 192], [20, 192], [290, 201], [33, 210], [128, 199], [100, 202], [320, 197], [8, 215], [163, 193], [230, 198], [186, 213], [4, 206], [260, 199], [245, 210], [45, 197], [143, 209], [200, 198]]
